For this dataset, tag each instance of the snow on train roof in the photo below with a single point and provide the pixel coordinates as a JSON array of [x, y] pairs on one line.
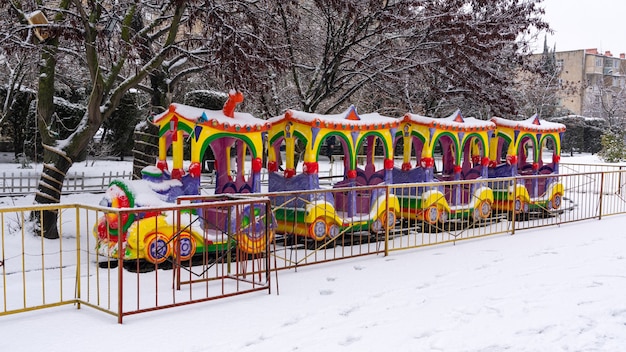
[[454, 121], [533, 124], [199, 115], [338, 121]]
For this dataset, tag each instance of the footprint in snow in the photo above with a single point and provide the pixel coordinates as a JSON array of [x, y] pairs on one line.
[[350, 340], [348, 311], [618, 312], [292, 321], [358, 267], [331, 279], [482, 267], [546, 252], [326, 292]]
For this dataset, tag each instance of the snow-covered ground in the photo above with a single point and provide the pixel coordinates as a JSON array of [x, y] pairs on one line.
[[550, 289]]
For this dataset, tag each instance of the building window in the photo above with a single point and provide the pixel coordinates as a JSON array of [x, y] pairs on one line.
[[598, 61]]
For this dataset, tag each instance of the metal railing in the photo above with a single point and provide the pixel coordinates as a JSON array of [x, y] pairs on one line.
[[575, 168], [585, 196], [38, 273]]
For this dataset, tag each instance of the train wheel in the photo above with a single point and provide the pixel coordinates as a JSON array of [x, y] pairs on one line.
[[377, 225], [483, 211], [431, 215], [443, 216], [520, 206], [251, 245], [157, 248], [333, 230], [555, 202], [317, 230], [251, 237], [520, 210], [389, 219], [185, 246]]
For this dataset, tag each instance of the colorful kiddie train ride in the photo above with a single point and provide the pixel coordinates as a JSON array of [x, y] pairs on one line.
[[368, 198], [463, 144], [518, 150], [345, 207], [152, 236]]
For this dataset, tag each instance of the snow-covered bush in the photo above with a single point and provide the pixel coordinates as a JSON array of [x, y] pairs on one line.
[[613, 148]]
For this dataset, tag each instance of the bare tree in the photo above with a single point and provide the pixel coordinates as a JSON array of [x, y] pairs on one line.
[[473, 52], [15, 68], [121, 44], [606, 100], [84, 30], [335, 47], [416, 54], [17, 90], [540, 86]]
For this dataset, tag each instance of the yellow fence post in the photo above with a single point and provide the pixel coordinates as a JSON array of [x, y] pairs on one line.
[[601, 195], [386, 220], [78, 237], [514, 215], [120, 277]]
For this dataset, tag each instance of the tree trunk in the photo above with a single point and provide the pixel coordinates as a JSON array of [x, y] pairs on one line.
[[51, 182], [55, 167], [146, 148], [60, 154]]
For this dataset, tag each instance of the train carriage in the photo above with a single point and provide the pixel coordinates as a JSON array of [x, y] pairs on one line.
[[326, 215], [518, 149], [463, 144]]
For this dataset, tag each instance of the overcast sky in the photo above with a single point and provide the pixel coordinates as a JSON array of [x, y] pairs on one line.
[[584, 24]]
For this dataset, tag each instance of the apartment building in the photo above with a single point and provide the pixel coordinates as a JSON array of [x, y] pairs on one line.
[[594, 78]]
